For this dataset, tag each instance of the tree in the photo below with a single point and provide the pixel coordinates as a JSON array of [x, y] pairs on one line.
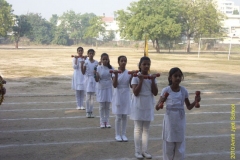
[[42, 31], [72, 22], [235, 12], [108, 36], [199, 18], [20, 28], [54, 19], [155, 18], [61, 37], [96, 28], [6, 17]]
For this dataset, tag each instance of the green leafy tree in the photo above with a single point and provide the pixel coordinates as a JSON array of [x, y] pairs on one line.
[[54, 19], [20, 28], [108, 36], [6, 17], [85, 24], [42, 31], [96, 28], [72, 22], [61, 36], [235, 12], [199, 18], [155, 18]]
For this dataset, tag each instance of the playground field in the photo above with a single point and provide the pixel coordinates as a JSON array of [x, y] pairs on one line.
[[39, 120]]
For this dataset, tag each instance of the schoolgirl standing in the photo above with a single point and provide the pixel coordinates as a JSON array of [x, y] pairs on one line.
[[104, 90], [121, 99], [142, 107], [90, 84], [78, 79], [174, 122]]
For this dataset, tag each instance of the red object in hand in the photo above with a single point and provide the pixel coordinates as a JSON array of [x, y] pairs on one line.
[[144, 76], [157, 75], [132, 72], [166, 94], [79, 56], [115, 71], [197, 105]]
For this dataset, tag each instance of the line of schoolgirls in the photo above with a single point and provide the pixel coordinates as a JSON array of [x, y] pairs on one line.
[[91, 78]]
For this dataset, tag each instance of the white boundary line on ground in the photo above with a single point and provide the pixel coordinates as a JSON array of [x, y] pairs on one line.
[[74, 117], [57, 102], [105, 141], [59, 109], [54, 118], [86, 128], [186, 155], [73, 94]]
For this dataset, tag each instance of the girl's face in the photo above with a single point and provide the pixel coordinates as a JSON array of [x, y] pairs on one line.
[[91, 54], [122, 63], [145, 66], [176, 78], [105, 60], [80, 52]]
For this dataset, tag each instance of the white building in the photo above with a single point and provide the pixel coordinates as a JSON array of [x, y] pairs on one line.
[[227, 7], [111, 25]]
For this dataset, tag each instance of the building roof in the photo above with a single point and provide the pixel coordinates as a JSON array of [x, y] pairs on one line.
[[108, 19]]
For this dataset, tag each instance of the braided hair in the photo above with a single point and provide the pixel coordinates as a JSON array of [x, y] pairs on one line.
[[108, 65]]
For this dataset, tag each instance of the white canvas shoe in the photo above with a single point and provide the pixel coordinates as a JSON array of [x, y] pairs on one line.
[[91, 115], [78, 108], [118, 138], [102, 125], [108, 125], [124, 138], [147, 155], [88, 115], [82, 108], [138, 155]]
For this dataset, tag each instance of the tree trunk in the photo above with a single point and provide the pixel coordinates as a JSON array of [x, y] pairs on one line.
[[169, 46], [157, 46], [188, 44], [153, 42], [16, 44]]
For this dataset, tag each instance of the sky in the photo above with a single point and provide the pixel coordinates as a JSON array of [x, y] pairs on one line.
[[49, 7]]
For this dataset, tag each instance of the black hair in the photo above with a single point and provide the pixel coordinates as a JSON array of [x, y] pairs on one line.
[[91, 50], [80, 48], [171, 72], [141, 60], [119, 58], [108, 65]]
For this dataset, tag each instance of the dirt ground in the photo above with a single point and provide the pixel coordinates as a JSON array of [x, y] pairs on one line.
[[39, 121]]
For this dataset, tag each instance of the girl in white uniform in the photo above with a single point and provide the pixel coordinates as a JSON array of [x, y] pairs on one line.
[[174, 122], [142, 107], [90, 84], [121, 99], [104, 90], [78, 78]]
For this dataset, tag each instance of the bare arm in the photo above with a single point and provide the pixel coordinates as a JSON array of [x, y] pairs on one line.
[[191, 105], [115, 80], [137, 87], [154, 87]]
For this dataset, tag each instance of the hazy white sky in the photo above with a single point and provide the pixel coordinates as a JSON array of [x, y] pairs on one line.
[[49, 7]]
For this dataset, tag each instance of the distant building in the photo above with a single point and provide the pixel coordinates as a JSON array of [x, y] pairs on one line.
[[226, 6], [111, 25]]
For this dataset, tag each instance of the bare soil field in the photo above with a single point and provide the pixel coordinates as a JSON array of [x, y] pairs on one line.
[[39, 120]]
